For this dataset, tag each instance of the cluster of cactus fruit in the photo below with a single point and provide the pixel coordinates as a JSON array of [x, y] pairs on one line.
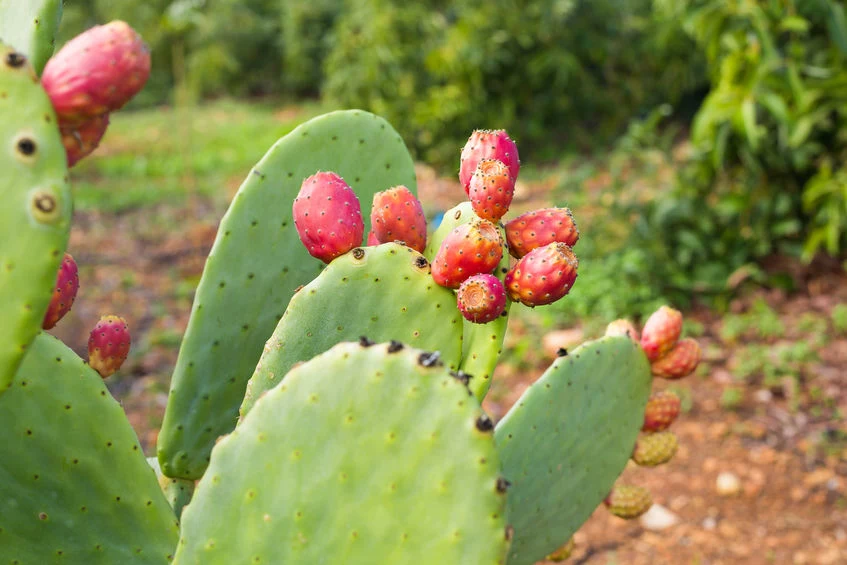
[[320, 410]]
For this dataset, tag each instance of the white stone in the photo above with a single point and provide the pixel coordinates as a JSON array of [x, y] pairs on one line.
[[728, 484], [658, 518]]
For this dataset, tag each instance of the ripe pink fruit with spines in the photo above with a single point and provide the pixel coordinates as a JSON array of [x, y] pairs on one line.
[[327, 216], [397, 215], [488, 144], [96, 72], [661, 411], [491, 189], [64, 294], [470, 249], [661, 332], [481, 298], [680, 361], [108, 345], [81, 140], [624, 328], [542, 276], [539, 228]]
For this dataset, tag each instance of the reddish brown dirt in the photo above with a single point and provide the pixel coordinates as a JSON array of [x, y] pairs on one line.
[[785, 446]]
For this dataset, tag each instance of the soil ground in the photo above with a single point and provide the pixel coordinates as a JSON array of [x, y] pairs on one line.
[[781, 435]]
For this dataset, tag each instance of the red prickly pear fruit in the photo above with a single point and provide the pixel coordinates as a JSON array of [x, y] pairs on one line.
[[624, 328], [542, 276], [628, 501], [661, 411], [398, 216], [488, 144], [81, 140], [680, 361], [372, 240], [481, 298], [661, 332], [539, 228], [67, 285], [655, 449], [327, 216], [491, 189], [96, 72], [470, 249], [108, 345]]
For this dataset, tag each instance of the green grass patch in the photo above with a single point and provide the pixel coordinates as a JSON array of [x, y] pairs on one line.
[[166, 155]]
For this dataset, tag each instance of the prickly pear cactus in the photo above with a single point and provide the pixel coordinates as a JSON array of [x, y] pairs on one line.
[[567, 439], [384, 292], [75, 488], [36, 210], [482, 343], [30, 27], [364, 454], [254, 267]]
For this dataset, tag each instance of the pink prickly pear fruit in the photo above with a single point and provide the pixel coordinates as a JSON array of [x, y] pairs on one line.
[[661, 332], [96, 72], [680, 361], [488, 144], [542, 276], [327, 216], [372, 240], [624, 328], [491, 189], [108, 345], [628, 501], [539, 228], [470, 249], [662, 409], [481, 298], [398, 216], [81, 140], [64, 294]]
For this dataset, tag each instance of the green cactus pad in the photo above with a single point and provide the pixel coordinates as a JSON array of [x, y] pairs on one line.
[[483, 343], [75, 488], [384, 292], [567, 439], [178, 492], [254, 267], [362, 455], [35, 211], [30, 26]]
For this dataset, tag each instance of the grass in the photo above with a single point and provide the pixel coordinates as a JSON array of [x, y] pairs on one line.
[[167, 155]]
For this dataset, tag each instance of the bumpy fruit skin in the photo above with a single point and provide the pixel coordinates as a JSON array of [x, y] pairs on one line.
[[327, 216], [680, 361], [108, 345], [67, 285], [398, 216], [624, 328], [81, 140], [661, 332], [470, 249], [96, 72], [542, 276], [662, 409], [481, 298], [654, 449], [539, 228], [628, 501], [491, 189], [488, 144], [563, 553]]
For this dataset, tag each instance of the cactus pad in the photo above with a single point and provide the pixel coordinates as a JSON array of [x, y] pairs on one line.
[[35, 211], [75, 488], [482, 343], [567, 439], [383, 292], [255, 265], [30, 26], [364, 454]]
